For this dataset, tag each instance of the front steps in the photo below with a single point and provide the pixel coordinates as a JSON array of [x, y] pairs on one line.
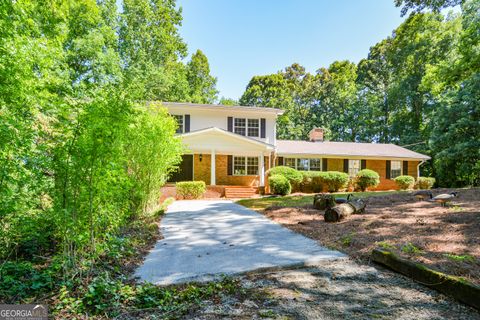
[[235, 192]]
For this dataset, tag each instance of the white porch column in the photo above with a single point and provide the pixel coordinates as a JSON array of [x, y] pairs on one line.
[[212, 168], [261, 170]]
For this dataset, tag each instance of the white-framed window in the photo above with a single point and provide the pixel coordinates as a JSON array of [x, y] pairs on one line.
[[246, 127], [290, 162], [303, 164], [253, 126], [315, 165], [240, 126], [395, 169], [252, 166], [353, 167], [245, 166], [180, 122]]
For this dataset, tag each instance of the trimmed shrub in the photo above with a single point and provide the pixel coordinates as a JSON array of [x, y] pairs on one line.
[[334, 180], [293, 176], [279, 184], [190, 189], [405, 182], [366, 178], [311, 181], [425, 182]]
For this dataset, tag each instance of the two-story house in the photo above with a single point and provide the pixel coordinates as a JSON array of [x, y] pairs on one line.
[[234, 146]]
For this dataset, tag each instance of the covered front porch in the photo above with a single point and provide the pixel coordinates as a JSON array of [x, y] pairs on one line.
[[222, 158]]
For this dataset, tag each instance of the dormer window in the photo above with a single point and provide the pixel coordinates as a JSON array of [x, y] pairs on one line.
[[248, 127]]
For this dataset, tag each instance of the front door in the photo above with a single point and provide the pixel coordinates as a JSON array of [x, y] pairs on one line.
[[185, 170]]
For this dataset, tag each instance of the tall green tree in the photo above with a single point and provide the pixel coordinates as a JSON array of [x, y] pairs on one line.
[[202, 85], [375, 80], [151, 50], [421, 5]]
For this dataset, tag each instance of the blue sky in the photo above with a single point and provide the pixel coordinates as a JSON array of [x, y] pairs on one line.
[[243, 38]]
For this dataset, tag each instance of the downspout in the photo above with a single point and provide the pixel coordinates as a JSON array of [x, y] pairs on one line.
[[418, 168]]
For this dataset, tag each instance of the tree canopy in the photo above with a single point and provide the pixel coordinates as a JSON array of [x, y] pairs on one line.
[[405, 92]]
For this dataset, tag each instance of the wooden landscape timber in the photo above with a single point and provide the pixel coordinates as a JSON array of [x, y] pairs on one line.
[[344, 210], [456, 287]]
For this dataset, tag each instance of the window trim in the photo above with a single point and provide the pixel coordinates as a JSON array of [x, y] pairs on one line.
[[258, 128], [350, 167], [391, 169], [246, 166], [183, 122], [320, 168]]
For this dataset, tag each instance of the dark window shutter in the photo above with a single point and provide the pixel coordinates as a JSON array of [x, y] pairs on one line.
[[280, 161], [405, 168], [187, 123], [262, 128], [230, 124], [345, 165], [388, 167], [363, 164], [230, 165], [325, 164]]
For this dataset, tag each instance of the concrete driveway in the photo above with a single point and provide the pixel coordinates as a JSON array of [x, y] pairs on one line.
[[205, 239]]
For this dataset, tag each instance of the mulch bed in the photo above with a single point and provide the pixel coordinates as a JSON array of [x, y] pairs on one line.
[[397, 222]]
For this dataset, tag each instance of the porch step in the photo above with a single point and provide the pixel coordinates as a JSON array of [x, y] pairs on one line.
[[240, 192]]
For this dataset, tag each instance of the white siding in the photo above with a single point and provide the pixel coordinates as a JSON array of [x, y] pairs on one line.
[[201, 119]]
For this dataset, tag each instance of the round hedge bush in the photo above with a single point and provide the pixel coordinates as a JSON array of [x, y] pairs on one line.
[[279, 184], [367, 178], [293, 176], [311, 182], [405, 182], [334, 180], [425, 182]]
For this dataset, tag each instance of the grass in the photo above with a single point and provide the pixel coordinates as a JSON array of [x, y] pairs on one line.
[[301, 200]]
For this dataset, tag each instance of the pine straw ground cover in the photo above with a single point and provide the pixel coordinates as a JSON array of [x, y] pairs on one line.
[[445, 239]]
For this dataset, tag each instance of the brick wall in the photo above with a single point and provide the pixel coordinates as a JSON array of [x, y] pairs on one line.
[[202, 172], [335, 165], [201, 169]]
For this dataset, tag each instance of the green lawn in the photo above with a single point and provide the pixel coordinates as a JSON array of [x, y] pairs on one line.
[[295, 201]]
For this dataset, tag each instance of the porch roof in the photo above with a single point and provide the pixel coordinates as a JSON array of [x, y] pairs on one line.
[[223, 141]]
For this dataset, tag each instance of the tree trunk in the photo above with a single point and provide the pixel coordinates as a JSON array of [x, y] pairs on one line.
[[323, 201], [344, 210]]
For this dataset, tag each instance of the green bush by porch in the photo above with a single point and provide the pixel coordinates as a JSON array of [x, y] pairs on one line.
[[279, 184], [191, 189]]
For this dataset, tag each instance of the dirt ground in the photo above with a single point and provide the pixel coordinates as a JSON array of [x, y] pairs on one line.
[[445, 239], [341, 289]]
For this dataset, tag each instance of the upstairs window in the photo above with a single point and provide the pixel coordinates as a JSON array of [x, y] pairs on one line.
[[253, 127], [180, 122], [240, 126], [247, 127], [395, 169], [353, 167]]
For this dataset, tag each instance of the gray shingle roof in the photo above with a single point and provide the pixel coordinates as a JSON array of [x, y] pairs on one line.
[[371, 150], [223, 107]]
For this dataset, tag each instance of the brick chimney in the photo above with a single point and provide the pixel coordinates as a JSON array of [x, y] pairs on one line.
[[316, 135]]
